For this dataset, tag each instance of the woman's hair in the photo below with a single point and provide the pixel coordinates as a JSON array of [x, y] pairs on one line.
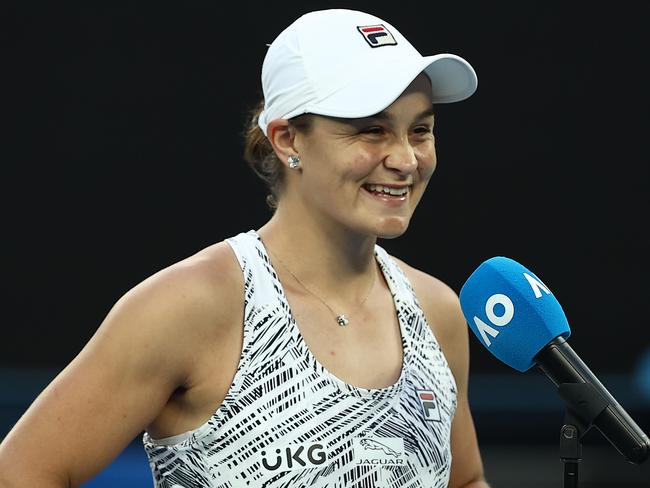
[[259, 154]]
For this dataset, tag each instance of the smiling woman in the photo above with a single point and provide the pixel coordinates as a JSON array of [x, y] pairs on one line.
[[300, 353]]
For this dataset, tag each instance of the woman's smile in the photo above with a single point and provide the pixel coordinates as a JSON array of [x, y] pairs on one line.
[[392, 195]]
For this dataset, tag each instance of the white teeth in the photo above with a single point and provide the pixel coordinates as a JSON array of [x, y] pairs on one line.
[[389, 191]]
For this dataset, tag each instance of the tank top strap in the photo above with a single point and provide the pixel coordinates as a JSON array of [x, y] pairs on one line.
[[265, 311], [398, 283], [419, 335], [260, 279]]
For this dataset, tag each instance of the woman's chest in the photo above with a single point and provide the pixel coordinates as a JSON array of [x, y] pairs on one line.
[[366, 353]]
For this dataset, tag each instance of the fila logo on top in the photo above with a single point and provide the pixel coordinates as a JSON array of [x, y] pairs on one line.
[[377, 35], [429, 405]]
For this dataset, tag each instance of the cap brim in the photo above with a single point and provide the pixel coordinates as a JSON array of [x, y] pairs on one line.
[[452, 79]]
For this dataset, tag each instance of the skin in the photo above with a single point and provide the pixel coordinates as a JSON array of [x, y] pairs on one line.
[[147, 369]]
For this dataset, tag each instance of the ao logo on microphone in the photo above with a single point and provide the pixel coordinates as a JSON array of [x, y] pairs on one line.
[[500, 310]]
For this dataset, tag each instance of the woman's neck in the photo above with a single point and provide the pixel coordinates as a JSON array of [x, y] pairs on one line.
[[327, 256]]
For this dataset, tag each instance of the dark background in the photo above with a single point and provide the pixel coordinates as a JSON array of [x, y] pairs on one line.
[[122, 155]]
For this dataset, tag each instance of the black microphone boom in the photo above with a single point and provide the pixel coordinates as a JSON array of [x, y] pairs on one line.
[[588, 400]]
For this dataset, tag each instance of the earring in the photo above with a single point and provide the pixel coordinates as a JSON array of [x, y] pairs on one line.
[[294, 162]]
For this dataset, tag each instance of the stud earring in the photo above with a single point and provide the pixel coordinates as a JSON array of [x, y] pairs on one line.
[[294, 162]]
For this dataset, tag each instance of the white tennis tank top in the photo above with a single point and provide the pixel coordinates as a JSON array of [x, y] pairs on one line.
[[288, 422]]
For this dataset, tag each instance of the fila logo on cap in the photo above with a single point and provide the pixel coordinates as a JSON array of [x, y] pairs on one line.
[[377, 35], [429, 405]]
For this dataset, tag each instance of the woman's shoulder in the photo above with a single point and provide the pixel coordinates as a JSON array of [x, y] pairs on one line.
[[430, 290], [211, 274], [204, 289]]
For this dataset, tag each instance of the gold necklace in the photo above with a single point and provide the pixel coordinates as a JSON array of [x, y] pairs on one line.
[[341, 319]]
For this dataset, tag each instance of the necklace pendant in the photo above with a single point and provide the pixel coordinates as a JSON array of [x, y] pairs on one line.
[[342, 320]]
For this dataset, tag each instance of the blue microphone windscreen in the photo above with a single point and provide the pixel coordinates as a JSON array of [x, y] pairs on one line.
[[511, 311]]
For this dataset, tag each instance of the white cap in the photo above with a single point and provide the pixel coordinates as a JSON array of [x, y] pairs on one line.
[[350, 64]]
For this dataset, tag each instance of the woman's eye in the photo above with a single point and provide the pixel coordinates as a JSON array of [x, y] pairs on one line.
[[423, 130]]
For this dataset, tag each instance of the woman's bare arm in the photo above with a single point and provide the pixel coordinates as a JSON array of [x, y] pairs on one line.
[[120, 381]]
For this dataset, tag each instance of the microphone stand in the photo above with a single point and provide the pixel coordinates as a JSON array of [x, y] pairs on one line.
[[570, 452], [588, 404], [584, 404]]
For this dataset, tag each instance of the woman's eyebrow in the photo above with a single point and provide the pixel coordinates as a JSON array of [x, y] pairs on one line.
[[426, 113], [384, 115]]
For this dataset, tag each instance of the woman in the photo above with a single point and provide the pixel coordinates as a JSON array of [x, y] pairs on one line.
[[301, 353]]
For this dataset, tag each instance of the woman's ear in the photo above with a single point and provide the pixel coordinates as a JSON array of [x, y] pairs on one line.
[[281, 136]]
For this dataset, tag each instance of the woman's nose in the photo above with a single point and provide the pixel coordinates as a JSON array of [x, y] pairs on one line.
[[401, 157]]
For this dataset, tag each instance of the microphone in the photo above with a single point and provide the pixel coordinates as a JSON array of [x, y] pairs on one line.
[[517, 318]]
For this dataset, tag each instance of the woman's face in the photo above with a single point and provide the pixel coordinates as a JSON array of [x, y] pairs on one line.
[[369, 174]]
